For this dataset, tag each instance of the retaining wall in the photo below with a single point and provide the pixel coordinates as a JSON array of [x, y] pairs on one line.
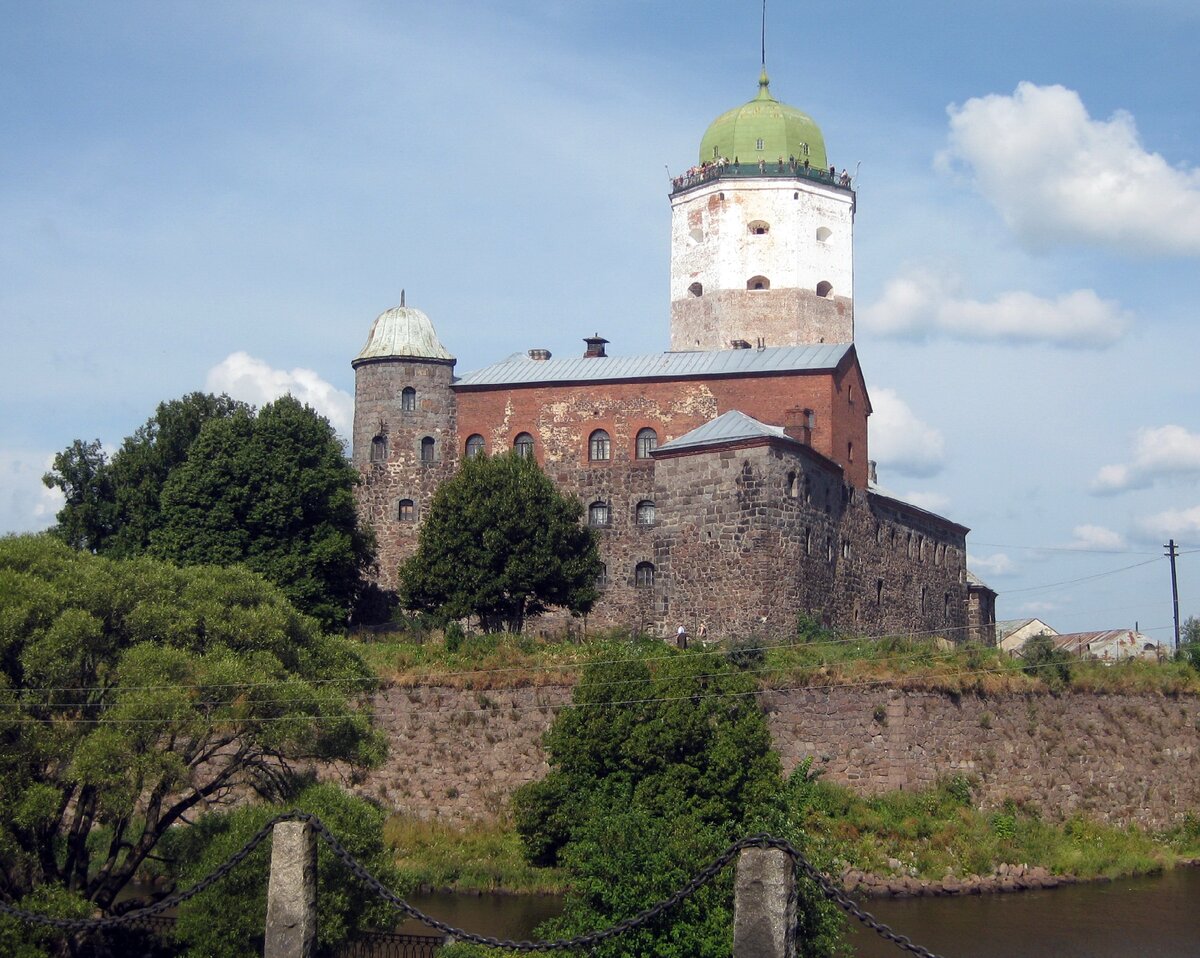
[[458, 754]]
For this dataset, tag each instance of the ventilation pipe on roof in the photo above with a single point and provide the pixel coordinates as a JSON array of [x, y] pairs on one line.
[[595, 347], [539, 355], [872, 476]]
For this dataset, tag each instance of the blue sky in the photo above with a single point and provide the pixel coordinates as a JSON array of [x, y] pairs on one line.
[[224, 195]]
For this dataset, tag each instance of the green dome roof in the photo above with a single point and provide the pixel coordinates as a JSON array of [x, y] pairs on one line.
[[784, 132]]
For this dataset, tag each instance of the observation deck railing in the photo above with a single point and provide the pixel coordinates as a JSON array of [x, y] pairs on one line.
[[781, 169]]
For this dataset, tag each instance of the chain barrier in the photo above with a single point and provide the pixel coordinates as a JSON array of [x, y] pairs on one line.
[[644, 917]]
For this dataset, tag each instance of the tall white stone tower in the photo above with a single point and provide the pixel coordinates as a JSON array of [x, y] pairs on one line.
[[761, 235]]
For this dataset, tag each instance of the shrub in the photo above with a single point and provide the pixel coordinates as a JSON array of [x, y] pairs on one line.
[[1041, 658], [747, 654]]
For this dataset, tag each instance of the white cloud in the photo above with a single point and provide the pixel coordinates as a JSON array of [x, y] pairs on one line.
[[1172, 524], [899, 440], [252, 380], [1054, 173], [1161, 452], [923, 305], [931, 501], [1088, 538], [997, 564], [25, 504]]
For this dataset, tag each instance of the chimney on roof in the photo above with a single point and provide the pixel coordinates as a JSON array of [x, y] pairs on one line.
[[872, 475], [539, 355], [797, 424], [595, 347]]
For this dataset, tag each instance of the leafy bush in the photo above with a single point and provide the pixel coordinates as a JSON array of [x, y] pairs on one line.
[[1041, 658], [652, 774], [747, 654]]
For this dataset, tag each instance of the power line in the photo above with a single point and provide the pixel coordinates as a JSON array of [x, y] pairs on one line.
[[870, 683], [1085, 578]]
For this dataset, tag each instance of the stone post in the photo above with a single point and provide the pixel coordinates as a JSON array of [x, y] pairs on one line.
[[764, 904], [292, 892]]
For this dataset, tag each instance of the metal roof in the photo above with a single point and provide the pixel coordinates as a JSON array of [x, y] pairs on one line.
[[732, 426], [521, 370], [402, 331]]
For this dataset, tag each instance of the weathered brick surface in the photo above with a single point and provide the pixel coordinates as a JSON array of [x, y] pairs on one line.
[[458, 755], [714, 572]]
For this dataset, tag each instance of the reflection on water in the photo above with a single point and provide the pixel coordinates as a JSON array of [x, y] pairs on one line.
[[499, 916], [1138, 916]]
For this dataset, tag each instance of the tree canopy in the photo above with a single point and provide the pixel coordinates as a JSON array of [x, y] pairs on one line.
[[654, 771], [500, 542], [133, 692], [208, 480], [112, 506]]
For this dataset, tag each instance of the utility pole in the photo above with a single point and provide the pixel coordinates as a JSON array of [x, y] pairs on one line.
[[1171, 553]]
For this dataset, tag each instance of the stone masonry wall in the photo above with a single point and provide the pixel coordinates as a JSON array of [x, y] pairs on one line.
[[457, 755]]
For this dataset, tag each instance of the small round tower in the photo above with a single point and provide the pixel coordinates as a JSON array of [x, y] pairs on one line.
[[404, 441], [761, 234]]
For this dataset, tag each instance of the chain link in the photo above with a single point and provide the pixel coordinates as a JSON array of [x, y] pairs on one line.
[[644, 917]]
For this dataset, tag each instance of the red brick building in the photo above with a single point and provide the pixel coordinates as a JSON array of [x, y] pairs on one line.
[[728, 479]]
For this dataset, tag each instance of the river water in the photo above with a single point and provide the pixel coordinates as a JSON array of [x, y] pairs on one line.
[[1157, 917]]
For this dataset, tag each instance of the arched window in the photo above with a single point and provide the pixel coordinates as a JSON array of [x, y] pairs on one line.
[[758, 227], [643, 575], [647, 442], [406, 511], [602, 578], [696, 289], [793, 486], [878, 592], [599, 446], [408, 399], [824, 289], [599, 513], [523, 444], [645, 513], [379, 449], [475, 446], [758, 282], [428, 449]]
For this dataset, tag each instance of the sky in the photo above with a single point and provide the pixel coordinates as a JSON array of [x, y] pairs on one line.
[[224, 195]]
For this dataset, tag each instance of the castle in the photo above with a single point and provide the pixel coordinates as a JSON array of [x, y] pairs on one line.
[[728, 478]]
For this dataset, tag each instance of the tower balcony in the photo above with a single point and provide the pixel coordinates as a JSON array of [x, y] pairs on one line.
[[760, 169]]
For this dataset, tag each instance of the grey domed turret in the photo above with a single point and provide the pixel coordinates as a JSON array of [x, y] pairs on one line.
[[402, 331], [404, 428]]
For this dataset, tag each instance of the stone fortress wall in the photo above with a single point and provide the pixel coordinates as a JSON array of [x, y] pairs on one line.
[[457, 755]]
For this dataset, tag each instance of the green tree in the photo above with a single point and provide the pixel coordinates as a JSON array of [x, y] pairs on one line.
[[275, 492], [133, 692], [1040, 657], [1189, 641], [112, 506], [501, 543], [207, 480], [209, 928], [653, 773]]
